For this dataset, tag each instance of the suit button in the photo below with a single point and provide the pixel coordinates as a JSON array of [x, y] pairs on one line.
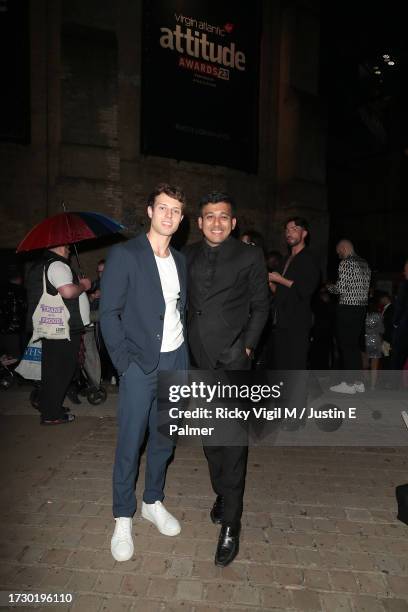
[[161, 317], [158, 337], [199, 312]]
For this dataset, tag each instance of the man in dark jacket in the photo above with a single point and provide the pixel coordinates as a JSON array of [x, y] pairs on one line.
[[295, 287], [227, 310]]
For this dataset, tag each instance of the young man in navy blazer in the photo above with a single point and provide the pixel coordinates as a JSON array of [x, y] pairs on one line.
[[143, 295]]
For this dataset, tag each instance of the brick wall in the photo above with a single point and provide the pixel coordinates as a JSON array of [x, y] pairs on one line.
[[85, 127]]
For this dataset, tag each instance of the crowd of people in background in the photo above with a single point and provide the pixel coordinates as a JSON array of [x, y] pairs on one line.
[[355, 326], [378, 326]]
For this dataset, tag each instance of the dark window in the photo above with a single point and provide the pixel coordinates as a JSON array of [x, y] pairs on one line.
[[14, 71]]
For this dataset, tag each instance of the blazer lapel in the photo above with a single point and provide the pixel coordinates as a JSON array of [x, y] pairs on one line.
[[151, 269]]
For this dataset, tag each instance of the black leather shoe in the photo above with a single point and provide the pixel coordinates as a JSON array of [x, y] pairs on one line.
[[217, 511], [228, 545]]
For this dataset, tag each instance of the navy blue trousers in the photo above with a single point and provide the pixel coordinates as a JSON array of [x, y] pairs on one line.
[[137, 414]]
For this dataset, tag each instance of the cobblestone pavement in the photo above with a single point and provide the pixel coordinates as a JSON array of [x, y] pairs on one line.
[[319, 531]]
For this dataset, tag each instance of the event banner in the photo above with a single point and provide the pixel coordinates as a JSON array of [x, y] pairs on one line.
[[200, 81]]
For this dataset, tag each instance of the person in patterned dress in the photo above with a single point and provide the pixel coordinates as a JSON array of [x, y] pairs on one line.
[[374, 330]]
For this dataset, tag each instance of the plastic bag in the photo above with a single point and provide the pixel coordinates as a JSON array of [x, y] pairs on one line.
[[30, 365]]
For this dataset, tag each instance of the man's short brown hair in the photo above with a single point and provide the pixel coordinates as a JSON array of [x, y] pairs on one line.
[[173, 191]]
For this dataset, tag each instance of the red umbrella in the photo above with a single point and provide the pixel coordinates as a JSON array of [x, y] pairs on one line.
[[67, 228]]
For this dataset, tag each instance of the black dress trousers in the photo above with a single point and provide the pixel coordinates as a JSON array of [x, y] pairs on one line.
[[227, 464], [58, 363]]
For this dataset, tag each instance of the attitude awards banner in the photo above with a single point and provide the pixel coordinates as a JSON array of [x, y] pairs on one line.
[[200, 81]]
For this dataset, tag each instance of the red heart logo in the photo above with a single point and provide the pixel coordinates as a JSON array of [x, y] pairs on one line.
[[229, 27]]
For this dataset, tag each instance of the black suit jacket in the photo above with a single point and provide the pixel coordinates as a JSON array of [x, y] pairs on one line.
[[234, 310], [293, 305]]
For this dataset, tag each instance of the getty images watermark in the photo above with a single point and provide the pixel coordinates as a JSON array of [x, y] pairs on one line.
[[254, 393], [266, 408]]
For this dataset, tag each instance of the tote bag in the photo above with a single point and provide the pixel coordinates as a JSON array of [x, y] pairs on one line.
[[50, 318]]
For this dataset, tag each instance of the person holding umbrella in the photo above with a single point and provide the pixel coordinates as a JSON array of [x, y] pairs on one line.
[[59, 357], [55, 234]]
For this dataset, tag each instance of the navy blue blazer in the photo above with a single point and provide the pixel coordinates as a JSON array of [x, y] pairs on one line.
[[132, 307]]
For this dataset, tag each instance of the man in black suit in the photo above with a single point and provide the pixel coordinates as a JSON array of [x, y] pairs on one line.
[[295, 287], [227, 308]]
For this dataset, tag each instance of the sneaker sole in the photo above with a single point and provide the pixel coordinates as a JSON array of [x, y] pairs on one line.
[[166, 533], [120, 560]]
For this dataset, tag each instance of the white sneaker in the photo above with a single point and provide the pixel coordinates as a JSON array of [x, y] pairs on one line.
[[344, 387], [165, 522], [122, 548], [359, 387]]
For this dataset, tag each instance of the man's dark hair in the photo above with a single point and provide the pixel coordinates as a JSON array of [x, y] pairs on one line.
[[299, 221], [173, 191], [214, 197], [303, 223]]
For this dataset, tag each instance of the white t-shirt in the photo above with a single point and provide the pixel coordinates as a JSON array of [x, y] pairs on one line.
[[60, 274], [172, 327]]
